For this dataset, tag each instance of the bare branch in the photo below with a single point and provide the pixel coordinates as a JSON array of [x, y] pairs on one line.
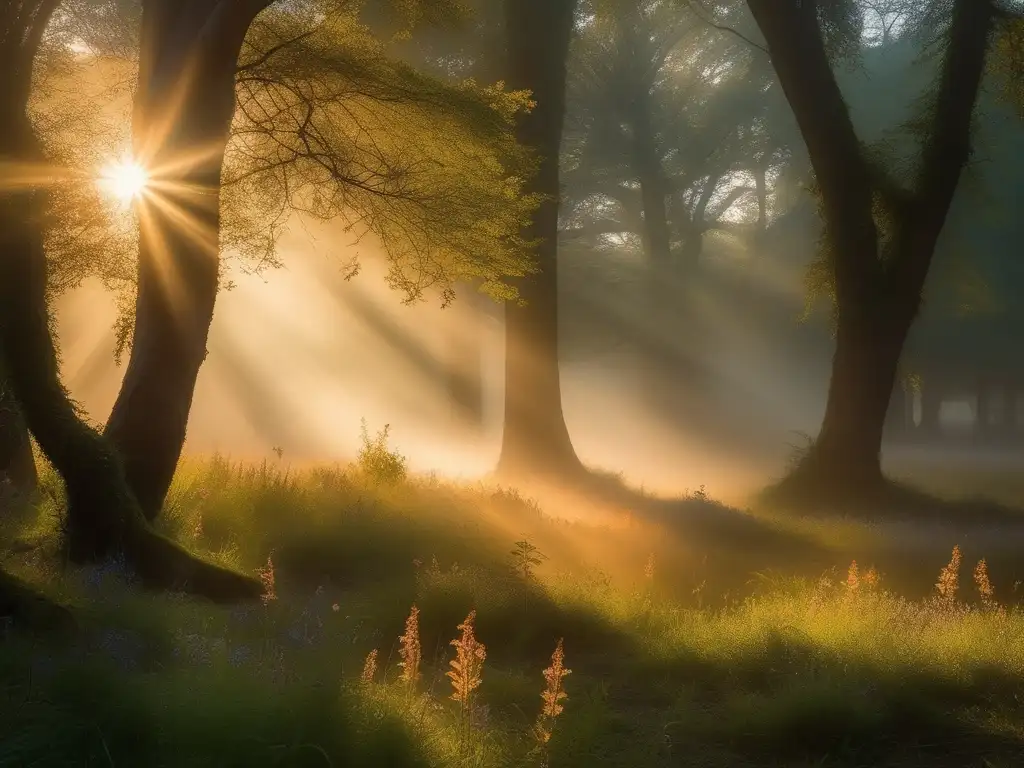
[[267, 54], [701, 12]]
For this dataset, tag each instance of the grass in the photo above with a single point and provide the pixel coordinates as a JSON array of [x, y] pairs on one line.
[[695, 635]]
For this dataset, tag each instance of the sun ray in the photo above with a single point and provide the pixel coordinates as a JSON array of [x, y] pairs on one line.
[[126, 180], [14, 176]]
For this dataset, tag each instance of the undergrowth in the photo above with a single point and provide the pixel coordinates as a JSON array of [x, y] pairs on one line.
[[415, 623]]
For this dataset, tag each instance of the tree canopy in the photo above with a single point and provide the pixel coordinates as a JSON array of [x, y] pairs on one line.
[[329, 125]]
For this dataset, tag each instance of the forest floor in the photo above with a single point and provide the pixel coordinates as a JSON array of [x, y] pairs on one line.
[[697, 635]]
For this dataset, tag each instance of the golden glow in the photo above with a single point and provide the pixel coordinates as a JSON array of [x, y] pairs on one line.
[[125, 180]]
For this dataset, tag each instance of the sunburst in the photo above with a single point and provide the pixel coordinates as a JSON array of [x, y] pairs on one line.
[[125, 180]]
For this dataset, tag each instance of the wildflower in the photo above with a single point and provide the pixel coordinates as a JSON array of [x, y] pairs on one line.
[[985, 589], [553, 695], [649, 568], [872, 578], [410, 651], [266, 574], [335, 607], [467, 666], [853, 577], [369, 667], [949, 579]]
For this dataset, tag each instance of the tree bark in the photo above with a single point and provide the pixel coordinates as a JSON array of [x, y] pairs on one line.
[[17, 464], [536, 439], [898, 417], [845, 459], [182, 116], [103, 519], [657, 237]]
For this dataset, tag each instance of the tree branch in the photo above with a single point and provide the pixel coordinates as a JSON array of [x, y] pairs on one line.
[[797, 50], [269, 53], [694, 4], [734, 194], [947, 148], [595, 228]]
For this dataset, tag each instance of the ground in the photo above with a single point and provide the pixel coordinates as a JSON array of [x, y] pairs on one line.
[[697, 635]]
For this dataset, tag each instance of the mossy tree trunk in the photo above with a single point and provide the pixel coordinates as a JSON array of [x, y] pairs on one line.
[[183, 108], [879, 274], [103, 518], [17, 464], [536, 439]]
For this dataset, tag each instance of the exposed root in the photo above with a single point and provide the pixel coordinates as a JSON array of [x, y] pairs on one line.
[[29, 609], [162, 564], [819, 487]]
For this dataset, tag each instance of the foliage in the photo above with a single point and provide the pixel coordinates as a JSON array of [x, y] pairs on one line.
[[526, 557], [377, 461], [657, 74], [369, 667], [1008, 62], [329, 125]]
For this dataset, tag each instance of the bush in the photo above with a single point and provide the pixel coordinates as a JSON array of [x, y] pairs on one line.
[[378, 462]]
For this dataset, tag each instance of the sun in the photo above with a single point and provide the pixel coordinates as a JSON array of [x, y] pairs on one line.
[[125, 180]]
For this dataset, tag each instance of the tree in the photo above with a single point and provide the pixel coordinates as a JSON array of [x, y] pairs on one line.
[[325, 125], [103, 518], [669, 138], [535, 438], [885, 19], [184, 105], [881, 235]]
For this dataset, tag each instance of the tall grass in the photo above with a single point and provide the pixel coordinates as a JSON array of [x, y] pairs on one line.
[[796, 668]]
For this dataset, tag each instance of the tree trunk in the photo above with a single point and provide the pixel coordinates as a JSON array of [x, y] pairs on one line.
[[845, 460], [761, 186], [1015, 393], [877, 293], [898, 417], [181, 122], [465, 365], [102, 518], [983, 409], [17, 464], [535, 438], [1008, 415], [931, 403], [691, 248], [657, 238]]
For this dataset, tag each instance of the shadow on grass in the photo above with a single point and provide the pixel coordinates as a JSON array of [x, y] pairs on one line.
[[639, 695], [894, 500], [89, 712], [797, 703]]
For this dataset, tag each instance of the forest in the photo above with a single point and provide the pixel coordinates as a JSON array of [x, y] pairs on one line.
[[511, 383]]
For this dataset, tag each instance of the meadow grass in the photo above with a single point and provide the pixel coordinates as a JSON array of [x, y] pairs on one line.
[[691, 642]]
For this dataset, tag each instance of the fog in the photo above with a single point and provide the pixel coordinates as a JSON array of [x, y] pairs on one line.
[[299, 355]]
